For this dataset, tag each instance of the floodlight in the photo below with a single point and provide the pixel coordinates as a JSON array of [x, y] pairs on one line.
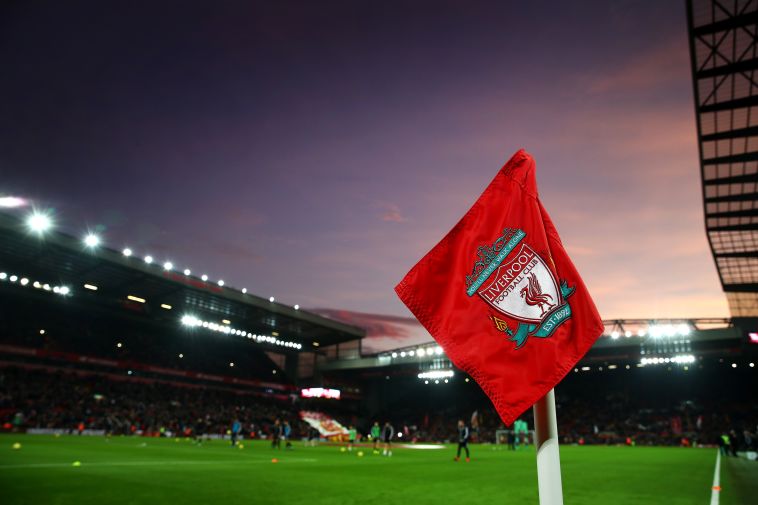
[[127, 252], [204, 277], [10, 202], [148, 259], [168, 265], [221, 282], [271, 299], [187, 271], [39, 222], [91, 240]]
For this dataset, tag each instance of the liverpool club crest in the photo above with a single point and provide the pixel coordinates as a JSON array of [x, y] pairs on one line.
[[517, 283]]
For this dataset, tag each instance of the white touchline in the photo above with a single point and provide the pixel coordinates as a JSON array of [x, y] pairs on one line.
[[716, 488], [152, 463]]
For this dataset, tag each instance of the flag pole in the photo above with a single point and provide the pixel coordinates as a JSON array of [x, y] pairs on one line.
[[548, 459]]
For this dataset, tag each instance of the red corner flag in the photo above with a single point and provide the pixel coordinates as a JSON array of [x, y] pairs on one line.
[[501, 296]]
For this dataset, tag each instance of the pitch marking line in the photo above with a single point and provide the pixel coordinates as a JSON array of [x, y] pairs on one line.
[[151, 463], [716, 487]]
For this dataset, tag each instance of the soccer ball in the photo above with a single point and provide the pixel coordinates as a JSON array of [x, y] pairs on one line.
[[241, 446], [360, 454], [16, 446]]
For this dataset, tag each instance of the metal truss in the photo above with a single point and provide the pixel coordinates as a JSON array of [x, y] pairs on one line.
[[724, 60]]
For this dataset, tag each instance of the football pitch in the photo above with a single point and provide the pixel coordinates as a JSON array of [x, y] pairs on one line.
[[132, 470]]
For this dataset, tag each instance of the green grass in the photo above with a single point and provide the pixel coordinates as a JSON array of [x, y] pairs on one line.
[[126, 470]]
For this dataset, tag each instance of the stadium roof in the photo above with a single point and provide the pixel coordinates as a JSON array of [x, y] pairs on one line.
[[115, 280], [724, 62]]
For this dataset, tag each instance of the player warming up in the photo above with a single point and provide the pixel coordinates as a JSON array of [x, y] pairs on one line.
[[463, 435], [387, 433], [351, 436], [376, 434]]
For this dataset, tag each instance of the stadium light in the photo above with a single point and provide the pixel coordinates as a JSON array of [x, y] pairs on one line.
[[10, 202], [119, 345], [168, 266], [271, 299], [148, 259], [126, 252], [192, 321], [204, 277], [752, 365], [187, 271], [297, 307], [734, 365], [91, 287], [135, 299], [244, 290], [181, 355], [64, 290], [627, 333], [394, 355], [24, 281], [438, 350], [14, 278], [411, 352], [166, 306], [3, 276], [231, 364], [614, 335], [436, 374], [641, 333], [39, 222], [221, 282], [91, 240], [402, 354]]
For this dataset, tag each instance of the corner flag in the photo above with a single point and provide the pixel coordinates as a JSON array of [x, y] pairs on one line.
[[501, 296]]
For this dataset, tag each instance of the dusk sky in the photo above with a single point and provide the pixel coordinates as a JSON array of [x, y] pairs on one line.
[[314, 151]]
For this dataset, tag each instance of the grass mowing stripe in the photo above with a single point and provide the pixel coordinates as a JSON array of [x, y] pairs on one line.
[[216, 473], [155, 463]]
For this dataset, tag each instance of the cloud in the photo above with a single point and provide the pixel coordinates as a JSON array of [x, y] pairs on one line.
[[391, 213], [661, 65]]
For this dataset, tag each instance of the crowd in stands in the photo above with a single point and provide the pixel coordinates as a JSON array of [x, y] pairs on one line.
[[39, 399]]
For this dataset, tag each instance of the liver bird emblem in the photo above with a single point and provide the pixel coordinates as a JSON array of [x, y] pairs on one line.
[[532, 295]]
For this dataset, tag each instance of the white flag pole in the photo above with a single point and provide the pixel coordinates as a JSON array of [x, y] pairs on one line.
[[548, 459]]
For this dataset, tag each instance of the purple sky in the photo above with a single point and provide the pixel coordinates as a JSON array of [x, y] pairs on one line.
[[316, 150]]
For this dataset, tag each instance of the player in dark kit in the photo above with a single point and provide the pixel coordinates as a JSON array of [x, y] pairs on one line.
[[277, 432], [236, 428], [463, 435], [387, 433]]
